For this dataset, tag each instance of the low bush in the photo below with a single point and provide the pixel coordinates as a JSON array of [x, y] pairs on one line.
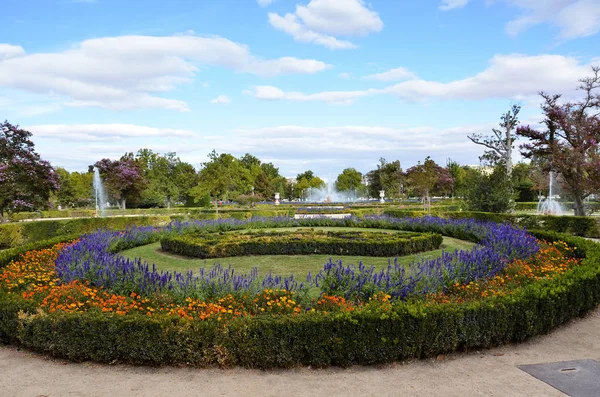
[[16, 234], [300, 242]]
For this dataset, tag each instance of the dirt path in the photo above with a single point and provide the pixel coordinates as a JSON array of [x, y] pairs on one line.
[[487, 373]]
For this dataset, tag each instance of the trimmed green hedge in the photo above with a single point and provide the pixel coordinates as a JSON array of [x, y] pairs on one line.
[[9, 255], [300, 242], [407, 330], [578, 225], [16, 234]]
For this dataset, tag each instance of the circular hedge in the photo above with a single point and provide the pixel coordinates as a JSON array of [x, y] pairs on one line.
[[335, 331], [300, 242]]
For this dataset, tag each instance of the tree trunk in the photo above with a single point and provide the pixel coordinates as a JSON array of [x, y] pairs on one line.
[[123, 203], [168, 202], [579, 208]]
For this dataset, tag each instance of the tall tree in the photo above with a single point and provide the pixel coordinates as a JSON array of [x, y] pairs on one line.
[[349, 180], [223, 177], [388, 177], [26, 180], [489, 191], [500, 144], [124, 178], [570, 140], [424, 178]]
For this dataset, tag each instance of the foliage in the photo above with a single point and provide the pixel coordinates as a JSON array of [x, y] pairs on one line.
[[388, 177], [570, 141], [32, 232], [522, 183], [26, 179], [300, 242], [349, 180], [124, 178], [458, 174], [424, 178], [169, 178], [75, 188], [489, 192]]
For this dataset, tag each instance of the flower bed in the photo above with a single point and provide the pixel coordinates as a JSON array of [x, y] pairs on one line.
[[300, 242], [82, 319]]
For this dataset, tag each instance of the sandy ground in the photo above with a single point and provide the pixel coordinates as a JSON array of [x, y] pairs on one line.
[[483, 373]]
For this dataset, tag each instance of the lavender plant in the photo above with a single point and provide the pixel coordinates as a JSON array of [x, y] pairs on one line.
[[95, 258]]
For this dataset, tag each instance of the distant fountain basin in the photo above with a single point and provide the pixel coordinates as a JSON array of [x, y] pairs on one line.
[[549, 206], [331, 216]]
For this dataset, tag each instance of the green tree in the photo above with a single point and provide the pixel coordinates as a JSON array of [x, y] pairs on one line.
[[223, 177], [522, 182], [349, 180], [489, 191], [388, 177], [422, 179]]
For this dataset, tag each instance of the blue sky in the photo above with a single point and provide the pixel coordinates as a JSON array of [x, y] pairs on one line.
[[305, 84]]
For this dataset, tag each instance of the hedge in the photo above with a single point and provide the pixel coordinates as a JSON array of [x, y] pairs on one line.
[[584, 226], [9, 255], [407, 330], [300, 242], [16, 234]]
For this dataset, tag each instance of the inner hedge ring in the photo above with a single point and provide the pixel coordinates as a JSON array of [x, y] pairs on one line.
[[300, 242]]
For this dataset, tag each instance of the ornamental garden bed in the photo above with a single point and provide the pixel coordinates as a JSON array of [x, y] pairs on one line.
[[300, 242], [84, 301]]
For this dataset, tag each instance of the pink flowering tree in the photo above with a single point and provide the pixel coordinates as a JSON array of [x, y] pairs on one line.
[[25, 179], [569, 143], [123, 178]]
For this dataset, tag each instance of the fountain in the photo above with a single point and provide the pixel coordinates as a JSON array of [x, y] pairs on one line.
[[99, 193], [549, 206], [329, 194]]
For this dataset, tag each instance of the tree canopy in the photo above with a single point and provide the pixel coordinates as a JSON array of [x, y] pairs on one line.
[[26, 179], [569, 141]]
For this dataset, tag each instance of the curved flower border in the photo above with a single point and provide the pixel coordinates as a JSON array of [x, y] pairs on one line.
[[95, 259]]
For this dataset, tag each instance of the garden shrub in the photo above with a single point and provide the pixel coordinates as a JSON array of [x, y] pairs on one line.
[[43, 230], [300, 242]]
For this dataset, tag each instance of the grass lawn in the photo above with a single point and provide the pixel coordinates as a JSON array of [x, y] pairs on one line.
[[299, 265]]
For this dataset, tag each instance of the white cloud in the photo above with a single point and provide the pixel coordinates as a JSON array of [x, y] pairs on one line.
[[293, 148], [574, 18], [102, 132], [514, 76], [335, 97], [221, 99], [320, 21], [264, 3], [393, 75], [452, 4], [290, 25], [10, 51], [128, 72]]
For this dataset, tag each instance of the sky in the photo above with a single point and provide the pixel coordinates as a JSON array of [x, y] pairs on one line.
[[304, 84]]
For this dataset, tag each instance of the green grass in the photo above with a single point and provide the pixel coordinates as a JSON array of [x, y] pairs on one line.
[[298, 265]]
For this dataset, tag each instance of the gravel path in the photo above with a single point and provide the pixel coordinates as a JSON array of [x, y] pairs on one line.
[[486, 373]]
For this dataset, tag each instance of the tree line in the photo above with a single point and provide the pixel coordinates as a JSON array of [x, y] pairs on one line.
[[567, 145]]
